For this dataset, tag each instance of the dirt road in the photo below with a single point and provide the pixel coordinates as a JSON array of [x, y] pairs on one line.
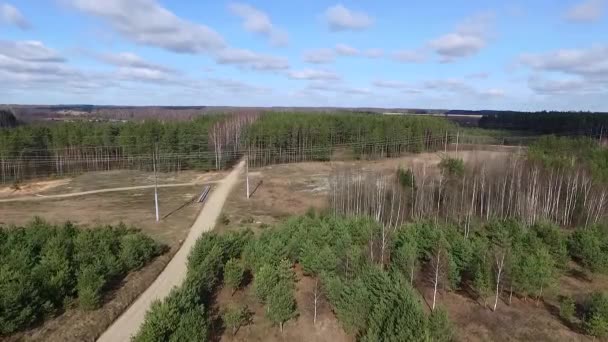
[[92, 192], [174, 274]]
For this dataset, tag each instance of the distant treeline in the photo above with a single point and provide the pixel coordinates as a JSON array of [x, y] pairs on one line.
[[210, 142], [65, 148], [547, 122], [282, 137]]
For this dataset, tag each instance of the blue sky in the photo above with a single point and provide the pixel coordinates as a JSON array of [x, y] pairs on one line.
[[522, 55]]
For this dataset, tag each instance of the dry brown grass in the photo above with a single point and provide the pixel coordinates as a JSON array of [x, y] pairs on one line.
[[104, 180], [134, 208]]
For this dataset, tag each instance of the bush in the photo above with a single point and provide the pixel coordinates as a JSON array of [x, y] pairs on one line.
[[452, 167], [233, 274], [263, 282], [406, 178], [136, 250], [567, 308], [590, 247], [596, 315], [439, 326], [90, 285], [235, 317]]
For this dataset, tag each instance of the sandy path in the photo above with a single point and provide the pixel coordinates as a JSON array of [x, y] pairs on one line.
[[174, 274], [100, 191]]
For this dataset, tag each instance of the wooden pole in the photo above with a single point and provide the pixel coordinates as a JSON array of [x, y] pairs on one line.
[[247, 175], [457, 136], [155, 183]]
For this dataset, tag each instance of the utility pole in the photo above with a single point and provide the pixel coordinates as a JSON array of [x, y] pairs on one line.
[[154, 154], [457, 136], [247, 175]]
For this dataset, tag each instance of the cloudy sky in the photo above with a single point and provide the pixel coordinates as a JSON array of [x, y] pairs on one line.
[[468, 54]]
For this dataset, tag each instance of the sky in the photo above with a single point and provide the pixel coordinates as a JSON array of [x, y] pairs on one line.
[[460, 54]]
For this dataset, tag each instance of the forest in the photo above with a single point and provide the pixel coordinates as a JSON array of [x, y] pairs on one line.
[[39, 150], [372, 294], [561, 123], [283, 137], [209, 142], [46, 269]]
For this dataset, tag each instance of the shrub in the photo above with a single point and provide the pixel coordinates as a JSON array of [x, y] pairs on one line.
[[567, 308], [596, 315], [452, 167], [233, 274], [235, 317], [263, 282], [406, 178], [439, 326], [90, 284], [136, 250], [590, 247]]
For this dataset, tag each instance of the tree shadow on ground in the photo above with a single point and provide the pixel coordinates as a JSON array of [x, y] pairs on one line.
[[256, 188], [579, 275], [572, 324]]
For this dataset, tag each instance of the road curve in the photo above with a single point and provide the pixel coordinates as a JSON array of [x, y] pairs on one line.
[[99, 191], [174, 274]]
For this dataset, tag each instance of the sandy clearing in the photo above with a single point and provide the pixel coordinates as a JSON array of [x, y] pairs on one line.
[[32, 188], [174, 274], [39, 197]]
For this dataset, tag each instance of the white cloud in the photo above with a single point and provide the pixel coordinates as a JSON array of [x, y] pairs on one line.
[[145, 75], [131, 67], [373, 53], [313, 74], [259, 22], [319, 56], [586, 11], [10, 15], [248, 59], [346, 50], [30, 64], [29, 50], [590, 64], [147, 22], [131, 60], [340, 18], [577, 61], [551, 86], [468, 39], [410, 56]]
